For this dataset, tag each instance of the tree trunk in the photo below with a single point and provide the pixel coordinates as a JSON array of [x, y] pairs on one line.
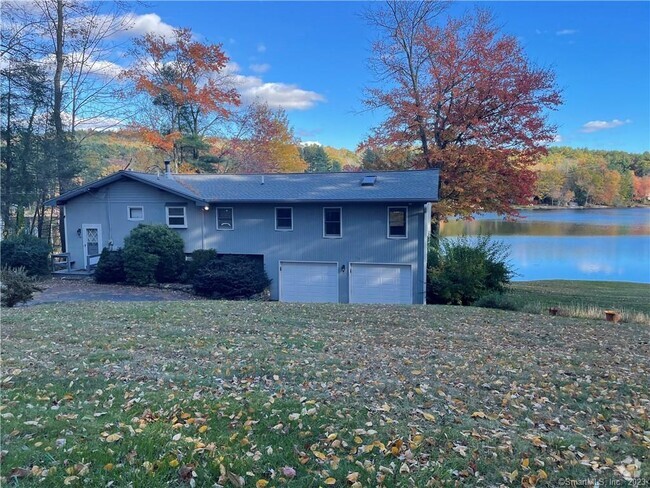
[[6, 197], [56, 114]]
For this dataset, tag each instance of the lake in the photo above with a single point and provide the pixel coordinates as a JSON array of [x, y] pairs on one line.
[[570, 244]]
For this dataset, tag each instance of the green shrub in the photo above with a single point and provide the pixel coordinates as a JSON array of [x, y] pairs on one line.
[[231, 277], [199, 259], [110, 268], [465, 269], [26, 251], [139, 266], [157, 246], [497, 300], [16, 286]]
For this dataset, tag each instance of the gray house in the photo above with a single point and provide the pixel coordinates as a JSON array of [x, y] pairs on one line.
[[333, 237]]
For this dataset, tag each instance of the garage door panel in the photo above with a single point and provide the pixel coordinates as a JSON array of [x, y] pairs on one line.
[[381, 283], [309, 282]]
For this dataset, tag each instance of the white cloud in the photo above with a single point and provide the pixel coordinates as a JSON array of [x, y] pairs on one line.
[[565, 32], [310, 143], [261, 48], [557, 139], [276, 95], [596, 125], [140, 25], [260, 68]]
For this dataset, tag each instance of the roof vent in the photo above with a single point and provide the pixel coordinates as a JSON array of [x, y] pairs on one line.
[[368, 181]]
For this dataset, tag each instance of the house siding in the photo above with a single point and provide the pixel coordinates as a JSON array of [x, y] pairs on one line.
[[364, 226]]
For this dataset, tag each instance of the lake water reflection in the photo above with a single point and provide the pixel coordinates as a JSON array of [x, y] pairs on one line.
[[571, 244]]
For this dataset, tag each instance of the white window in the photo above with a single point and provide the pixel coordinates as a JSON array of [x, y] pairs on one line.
[[397, 222], [176, 217], [135, 213], [283, 218], [332, 222], [225, 218]]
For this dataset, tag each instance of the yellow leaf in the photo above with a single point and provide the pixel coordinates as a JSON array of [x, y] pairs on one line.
[[203, 428], [525, 463], [109, 467], [331, 437], [70, 479], [352, 477], [113, 437], [173, 463], [480, 415], [358, 439], [330, 481], [541, 474], [513, 475], [320, 455], [261, 483], [428, 416]]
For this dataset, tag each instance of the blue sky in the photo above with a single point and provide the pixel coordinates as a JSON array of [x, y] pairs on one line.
[[311, 59]]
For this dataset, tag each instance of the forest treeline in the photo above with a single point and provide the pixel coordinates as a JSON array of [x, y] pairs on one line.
[[565, 175], [591, 177]]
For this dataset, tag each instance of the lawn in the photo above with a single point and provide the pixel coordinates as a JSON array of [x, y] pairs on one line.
[[584, 298], [271, 394]]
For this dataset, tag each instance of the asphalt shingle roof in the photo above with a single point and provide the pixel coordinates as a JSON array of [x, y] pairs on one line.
[[295, 187]]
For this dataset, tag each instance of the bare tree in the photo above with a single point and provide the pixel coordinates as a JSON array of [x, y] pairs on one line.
[[398, 54]]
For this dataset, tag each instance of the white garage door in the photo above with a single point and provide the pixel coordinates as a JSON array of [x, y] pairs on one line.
[[381, 283], [309, 282]]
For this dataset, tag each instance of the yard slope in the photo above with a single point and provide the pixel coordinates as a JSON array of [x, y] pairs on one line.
[[306, 395]]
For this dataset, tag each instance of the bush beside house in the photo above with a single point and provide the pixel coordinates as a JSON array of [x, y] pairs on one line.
[[153, 253], [462, 270], [110, 268], [231, 277]]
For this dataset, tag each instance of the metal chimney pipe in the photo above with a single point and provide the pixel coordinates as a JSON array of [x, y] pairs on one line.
[[168, 171]]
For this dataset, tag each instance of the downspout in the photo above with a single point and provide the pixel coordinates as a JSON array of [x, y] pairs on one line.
[[427, 235], [65, 224], [203, 211], [108, 218]]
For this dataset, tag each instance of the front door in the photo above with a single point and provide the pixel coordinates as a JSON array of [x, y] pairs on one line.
[[92, 242]]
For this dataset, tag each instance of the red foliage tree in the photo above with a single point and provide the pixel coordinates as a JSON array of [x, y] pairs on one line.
[[474, 108], [186, 85]]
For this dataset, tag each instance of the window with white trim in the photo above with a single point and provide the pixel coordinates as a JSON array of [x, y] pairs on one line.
[[283, 218], [332, 222], [176, 217], [225, 219], [135, 213], [397, 222]]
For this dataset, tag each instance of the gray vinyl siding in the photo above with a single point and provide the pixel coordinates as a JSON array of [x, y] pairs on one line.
[[364, 228]]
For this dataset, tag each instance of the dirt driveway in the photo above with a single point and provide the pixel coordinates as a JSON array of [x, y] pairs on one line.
[[57, 290]]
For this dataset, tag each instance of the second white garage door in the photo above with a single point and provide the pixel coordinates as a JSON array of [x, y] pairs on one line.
[[380, 283], [309, 282]]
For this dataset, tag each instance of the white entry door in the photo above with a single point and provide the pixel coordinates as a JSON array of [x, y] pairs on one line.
[[381, 283], [92, 243], [313, 282]]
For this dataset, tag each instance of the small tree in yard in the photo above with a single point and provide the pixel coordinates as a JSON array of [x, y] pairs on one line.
[[16, 286], [460, 271], [153, 253]]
